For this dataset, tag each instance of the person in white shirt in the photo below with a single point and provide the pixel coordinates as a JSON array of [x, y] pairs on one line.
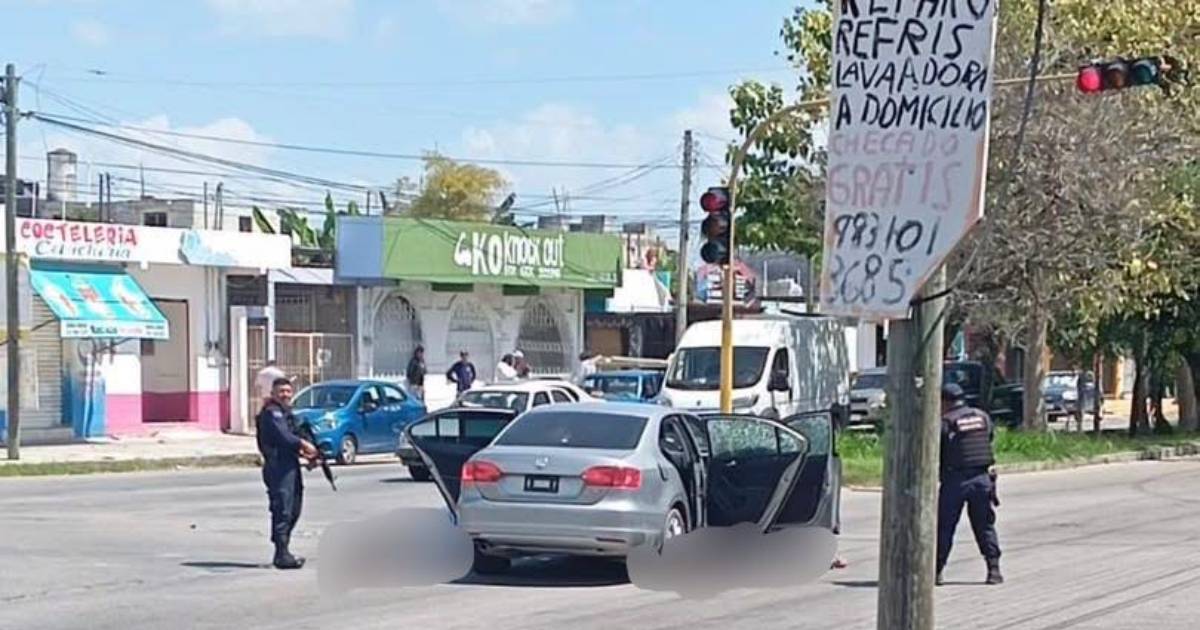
[[522, 366], [265, 379], [505, 372]]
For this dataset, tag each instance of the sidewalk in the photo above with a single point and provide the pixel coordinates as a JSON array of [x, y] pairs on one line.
[[176, 447]]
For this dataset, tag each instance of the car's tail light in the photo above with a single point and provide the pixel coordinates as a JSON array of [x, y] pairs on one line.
[[480, 472], [613, 477]]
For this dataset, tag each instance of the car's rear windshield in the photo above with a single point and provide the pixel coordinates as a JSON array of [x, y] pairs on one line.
[[574, 429]]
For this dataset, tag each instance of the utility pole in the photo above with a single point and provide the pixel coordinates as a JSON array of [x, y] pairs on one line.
[[908, 542], [10, 263], [810, 284], [681, 260]]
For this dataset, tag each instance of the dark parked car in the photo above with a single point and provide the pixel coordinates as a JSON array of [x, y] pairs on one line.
[[986, 389], [1065, 395]]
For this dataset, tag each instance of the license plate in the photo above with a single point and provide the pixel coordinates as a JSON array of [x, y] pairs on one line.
[[534, 483]]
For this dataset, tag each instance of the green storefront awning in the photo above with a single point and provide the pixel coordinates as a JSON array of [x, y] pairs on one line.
[[98, 304], [450, 252]]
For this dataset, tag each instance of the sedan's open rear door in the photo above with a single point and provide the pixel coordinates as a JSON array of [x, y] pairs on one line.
[[445, 440]]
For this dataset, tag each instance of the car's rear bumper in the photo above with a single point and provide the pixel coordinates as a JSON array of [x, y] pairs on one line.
[[409, 457], [515, 529], [865, 415]]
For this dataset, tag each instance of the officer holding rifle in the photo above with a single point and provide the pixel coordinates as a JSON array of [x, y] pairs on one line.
[[282, 447]]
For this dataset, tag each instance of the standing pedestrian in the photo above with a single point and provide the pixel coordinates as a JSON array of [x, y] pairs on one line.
[[505, 372], [416, 373], [967, 478], [462, 373], [521, 365], [587, 366], [265, 380], [281, 450]]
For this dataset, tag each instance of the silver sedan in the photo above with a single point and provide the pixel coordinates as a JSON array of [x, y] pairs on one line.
[[599, 479]]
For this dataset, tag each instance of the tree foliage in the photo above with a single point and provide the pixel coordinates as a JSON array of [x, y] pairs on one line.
[[457, 192]]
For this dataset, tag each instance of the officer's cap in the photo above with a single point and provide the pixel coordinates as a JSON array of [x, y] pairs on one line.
[[952, 392]]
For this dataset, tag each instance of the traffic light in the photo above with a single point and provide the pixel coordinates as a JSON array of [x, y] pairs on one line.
[[717, 226], [1119, 74]]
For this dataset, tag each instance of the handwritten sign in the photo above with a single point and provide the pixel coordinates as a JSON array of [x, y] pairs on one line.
[[910, 110]]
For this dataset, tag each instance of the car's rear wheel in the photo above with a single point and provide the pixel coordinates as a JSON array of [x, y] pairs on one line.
[[675, 525], [420, 473], [348, 450], [490, 565]]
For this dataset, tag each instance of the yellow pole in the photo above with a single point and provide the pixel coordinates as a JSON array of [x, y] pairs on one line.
[[727, 283]]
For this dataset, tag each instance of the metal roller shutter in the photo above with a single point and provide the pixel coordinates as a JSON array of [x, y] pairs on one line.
[[47, 349]]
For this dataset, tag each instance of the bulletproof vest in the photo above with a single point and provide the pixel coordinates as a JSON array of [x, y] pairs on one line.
[[969, 444], [268, 450]]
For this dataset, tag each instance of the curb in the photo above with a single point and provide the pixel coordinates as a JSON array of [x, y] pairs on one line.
[[34, 469], [1183, 450]]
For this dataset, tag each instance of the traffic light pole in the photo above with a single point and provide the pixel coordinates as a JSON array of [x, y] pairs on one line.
[[728, 278]]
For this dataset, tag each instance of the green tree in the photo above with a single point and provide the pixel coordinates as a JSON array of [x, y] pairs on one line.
[[457, 192]]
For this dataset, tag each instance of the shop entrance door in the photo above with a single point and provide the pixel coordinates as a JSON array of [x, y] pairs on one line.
[[166, 373]]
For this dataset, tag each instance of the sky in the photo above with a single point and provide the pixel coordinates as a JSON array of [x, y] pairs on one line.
[[613, 82]]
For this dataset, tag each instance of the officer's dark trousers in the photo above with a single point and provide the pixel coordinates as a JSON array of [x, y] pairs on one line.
[[973, 488], [285, 493]]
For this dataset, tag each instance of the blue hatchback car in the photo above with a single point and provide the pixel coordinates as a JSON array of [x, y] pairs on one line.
[[354, 417]]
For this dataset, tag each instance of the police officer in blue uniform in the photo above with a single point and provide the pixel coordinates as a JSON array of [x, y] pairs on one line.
[[966, 475], [281, 449]]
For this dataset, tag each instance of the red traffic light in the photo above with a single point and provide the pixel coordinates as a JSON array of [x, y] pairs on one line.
[[715, 200], [1089, 80]]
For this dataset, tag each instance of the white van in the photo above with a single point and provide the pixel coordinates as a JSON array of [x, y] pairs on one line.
[[782, 366]]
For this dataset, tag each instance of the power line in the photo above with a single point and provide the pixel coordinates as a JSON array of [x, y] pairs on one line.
[[63, 120], [104, 76], [192, 155]]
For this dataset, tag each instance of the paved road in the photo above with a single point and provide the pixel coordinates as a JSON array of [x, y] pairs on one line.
[[1111, 547]]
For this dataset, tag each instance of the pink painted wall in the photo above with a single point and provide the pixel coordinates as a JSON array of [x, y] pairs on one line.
[[125, 413]]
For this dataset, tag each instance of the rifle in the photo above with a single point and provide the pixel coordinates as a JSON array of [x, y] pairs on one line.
[[306, 433], [994, 497]]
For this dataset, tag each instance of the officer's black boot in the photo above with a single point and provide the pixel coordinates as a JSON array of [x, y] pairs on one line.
[[993, 574], [284, 558]]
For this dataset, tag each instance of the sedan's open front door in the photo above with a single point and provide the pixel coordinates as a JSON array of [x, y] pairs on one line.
[[814, 501], [447, 439]]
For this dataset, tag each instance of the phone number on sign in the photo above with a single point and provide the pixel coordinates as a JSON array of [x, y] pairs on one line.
[[871, 264]]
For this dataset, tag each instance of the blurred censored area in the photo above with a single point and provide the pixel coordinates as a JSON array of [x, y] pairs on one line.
[[713, 560], [405, 547]]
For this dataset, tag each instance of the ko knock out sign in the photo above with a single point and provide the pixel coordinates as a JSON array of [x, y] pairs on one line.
[[908, 141]]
